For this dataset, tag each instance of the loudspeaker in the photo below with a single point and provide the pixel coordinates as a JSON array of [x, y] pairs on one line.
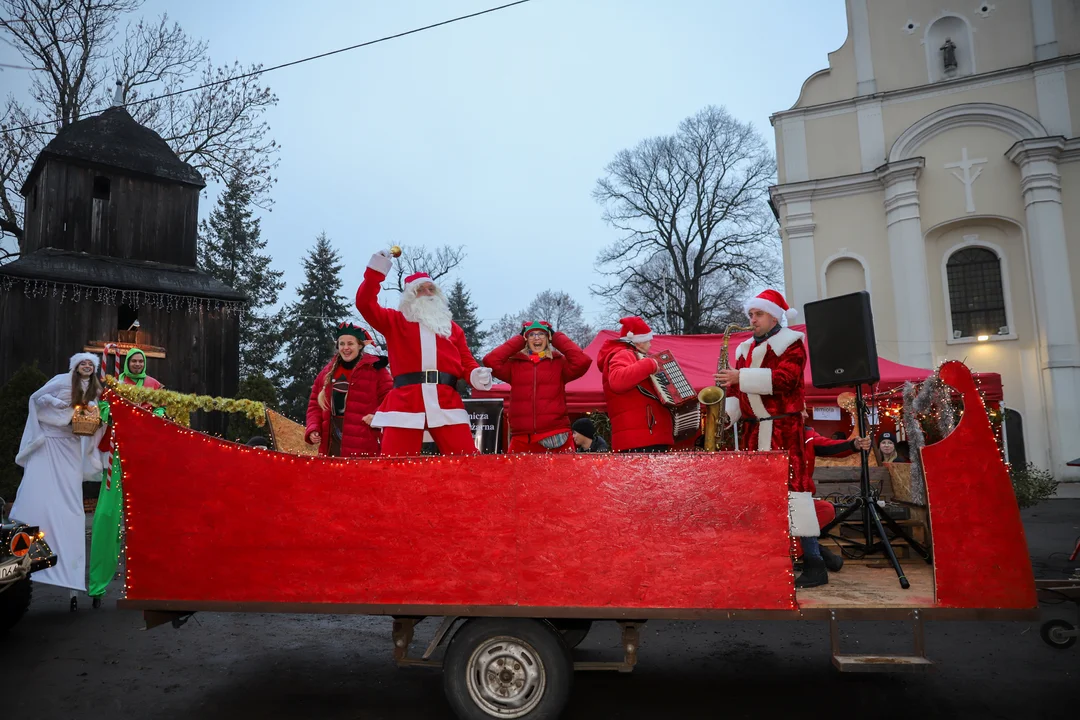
[[840, 335]]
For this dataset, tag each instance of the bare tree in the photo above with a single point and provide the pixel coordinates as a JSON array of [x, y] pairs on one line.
[[73, 48], [563, 312], [418, 258], [693, 211]]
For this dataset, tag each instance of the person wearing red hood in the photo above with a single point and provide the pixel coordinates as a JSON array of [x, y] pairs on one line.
[[537, 363], [765, 391], [639, 422], [345, 396]]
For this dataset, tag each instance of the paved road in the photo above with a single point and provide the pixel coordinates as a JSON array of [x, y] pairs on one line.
[[99, 664]]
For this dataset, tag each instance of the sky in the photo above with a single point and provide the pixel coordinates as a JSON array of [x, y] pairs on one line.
[[491, 133]]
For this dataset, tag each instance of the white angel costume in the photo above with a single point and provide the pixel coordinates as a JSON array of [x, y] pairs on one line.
[[55, 462]]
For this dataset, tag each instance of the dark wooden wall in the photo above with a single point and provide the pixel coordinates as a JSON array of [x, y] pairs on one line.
[[202, 348], [142, 219]]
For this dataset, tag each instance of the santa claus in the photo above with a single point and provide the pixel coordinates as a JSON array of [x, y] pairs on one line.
[[428, 354], [765, 392]]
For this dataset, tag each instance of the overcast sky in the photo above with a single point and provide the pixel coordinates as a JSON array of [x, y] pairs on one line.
[[491, 133]]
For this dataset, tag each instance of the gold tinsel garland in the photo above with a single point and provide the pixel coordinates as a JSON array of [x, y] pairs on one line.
[[179, 406]]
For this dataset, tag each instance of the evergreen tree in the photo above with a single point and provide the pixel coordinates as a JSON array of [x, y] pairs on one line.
[[464, 312], [253, 387], [14, 407], [232, 250], [310, 321]]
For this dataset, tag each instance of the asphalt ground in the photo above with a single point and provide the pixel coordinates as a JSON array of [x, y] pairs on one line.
[[100, 664]]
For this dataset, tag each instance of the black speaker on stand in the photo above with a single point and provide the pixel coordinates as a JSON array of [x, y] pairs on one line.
[[843, 353]]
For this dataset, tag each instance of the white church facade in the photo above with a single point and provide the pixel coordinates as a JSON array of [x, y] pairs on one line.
[[936, 164]]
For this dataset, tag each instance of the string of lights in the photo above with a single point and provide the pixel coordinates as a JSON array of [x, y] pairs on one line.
[[291, 63]]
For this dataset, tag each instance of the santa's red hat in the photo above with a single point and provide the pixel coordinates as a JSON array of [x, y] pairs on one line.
[[635, 329], [416, 279], [773, 303]]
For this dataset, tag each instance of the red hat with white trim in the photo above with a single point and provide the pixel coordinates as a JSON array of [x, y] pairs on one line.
[[417, 278], [773, 303], [634, 329]]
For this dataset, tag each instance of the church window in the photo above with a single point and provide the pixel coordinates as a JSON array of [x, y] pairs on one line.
[[976, 293]]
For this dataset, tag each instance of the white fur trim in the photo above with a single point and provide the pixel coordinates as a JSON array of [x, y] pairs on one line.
[[772, 308], [764, 435], [380, 263], [744, 348], [784, 339], [756, 380], [644, 337], [77, 358], [733, 409], [792, 313], [418, 282], [399, 419], [802, 518], [428, 438]]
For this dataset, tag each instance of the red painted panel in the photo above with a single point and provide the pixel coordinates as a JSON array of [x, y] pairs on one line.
[[980, 553], [214, 521]]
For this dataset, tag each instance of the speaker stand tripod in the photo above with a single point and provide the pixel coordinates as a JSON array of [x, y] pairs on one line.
[[871, 519]]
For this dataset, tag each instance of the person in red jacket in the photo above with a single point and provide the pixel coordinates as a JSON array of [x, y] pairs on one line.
[[639, 422], [817, 446], [537, 364], [346, 395]]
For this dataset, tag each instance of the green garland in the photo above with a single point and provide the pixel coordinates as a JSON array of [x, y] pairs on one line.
[[179, 406]]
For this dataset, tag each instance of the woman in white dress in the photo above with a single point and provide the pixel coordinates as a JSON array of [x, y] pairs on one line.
[[55, 462]]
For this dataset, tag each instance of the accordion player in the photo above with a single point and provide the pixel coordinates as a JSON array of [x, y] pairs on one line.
[[670, 386]]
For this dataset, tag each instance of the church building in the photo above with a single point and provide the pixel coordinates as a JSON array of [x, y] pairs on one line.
[[936, 164]]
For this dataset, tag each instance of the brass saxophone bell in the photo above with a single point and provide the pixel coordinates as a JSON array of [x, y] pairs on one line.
[[710, 395]]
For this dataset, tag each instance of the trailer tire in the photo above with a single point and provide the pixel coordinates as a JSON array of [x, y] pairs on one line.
[[1052, 630], [14, 602], [507, 668], [573, 632]]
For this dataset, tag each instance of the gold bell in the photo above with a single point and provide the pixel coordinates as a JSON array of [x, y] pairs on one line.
[[395, 251]]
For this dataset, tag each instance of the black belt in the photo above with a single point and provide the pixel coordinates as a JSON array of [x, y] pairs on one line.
[[772, 417], [427, 377]]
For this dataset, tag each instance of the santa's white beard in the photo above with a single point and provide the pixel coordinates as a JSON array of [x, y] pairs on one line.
[[431, 311]]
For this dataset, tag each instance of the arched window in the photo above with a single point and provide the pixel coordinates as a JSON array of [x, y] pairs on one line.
[[976, 295], [952, 32]]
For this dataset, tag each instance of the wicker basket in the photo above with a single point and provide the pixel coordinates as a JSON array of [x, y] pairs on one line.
[[85, 420]]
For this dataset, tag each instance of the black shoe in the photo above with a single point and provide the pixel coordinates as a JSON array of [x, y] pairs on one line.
[[833, 562], [74, 604], [813, 574], [96, 602]]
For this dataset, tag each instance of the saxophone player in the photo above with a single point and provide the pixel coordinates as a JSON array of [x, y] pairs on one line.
[[765, 391]]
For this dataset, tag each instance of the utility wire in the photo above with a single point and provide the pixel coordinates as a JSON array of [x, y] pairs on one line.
[[263, 71]]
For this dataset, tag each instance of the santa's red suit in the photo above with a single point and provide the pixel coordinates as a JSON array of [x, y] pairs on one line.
[[425, 367], [769, 401]]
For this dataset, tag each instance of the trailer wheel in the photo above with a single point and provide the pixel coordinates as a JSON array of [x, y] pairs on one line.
[[507, 668], [573, 632], [1054, 634], [14, 602]]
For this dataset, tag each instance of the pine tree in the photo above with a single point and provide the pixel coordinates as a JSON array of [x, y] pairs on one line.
[[232, 250], [310, 321], [253, 387], [463, 311]]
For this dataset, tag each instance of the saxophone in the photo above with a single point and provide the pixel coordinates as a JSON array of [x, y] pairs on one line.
[[712, 399]]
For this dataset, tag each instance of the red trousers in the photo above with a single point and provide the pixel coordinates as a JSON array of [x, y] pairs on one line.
[[451, 439], [525, 444]]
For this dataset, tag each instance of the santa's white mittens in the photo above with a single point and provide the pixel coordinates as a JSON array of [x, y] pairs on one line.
[[480, 378], [380, 262], [732, 409], [755, 381]]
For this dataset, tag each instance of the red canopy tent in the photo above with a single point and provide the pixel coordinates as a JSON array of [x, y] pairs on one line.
[[697, 356]]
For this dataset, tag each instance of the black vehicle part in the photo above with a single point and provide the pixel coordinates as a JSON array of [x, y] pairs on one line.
[[573, 632], [507, 668], [14, 602], [1056, 634]]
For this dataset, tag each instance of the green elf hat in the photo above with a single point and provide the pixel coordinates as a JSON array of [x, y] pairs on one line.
[[528, 327], [347, 328]]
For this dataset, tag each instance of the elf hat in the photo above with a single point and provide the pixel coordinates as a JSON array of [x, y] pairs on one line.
[[528, 327], [79, 357], [773, 303], [347, 328], [417, 279], [634, 329]]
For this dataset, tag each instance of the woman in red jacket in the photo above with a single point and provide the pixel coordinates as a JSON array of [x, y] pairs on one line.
[[346, 395], [538, 363], [639, 422]]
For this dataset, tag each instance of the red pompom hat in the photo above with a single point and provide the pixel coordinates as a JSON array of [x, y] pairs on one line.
[[417, 278], [773, 303], [635, 329]]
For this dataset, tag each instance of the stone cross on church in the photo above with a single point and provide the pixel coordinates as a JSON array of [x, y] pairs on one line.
[[967, 178]]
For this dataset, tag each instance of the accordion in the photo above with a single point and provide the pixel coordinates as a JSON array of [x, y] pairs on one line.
[[670, 386]]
